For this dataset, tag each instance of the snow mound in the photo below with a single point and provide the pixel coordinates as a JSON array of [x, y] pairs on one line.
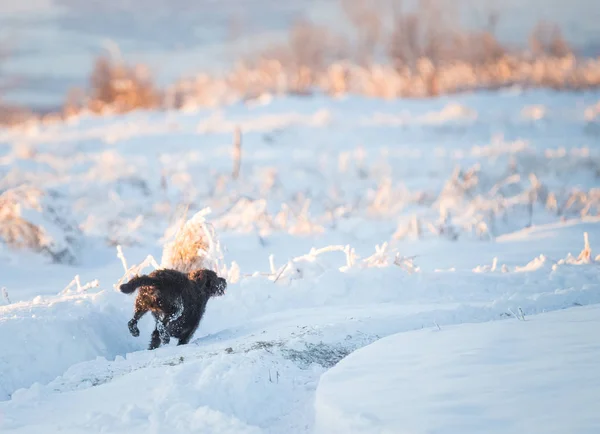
[[534, 375], [42, 338]]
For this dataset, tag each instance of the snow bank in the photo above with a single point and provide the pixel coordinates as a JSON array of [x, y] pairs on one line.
[[537, 375], [42, 338]]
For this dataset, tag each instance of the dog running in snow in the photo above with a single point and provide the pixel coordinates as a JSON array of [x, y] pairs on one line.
[[177, 302]]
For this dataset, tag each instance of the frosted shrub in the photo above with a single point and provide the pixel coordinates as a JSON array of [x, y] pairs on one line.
[[33, 219], [119, 87], [192, 245]]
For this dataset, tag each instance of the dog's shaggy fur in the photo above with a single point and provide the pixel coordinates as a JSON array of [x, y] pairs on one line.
[[177, 302]]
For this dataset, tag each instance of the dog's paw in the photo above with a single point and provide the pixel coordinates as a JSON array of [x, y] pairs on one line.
[[133, 328], [165, 338]]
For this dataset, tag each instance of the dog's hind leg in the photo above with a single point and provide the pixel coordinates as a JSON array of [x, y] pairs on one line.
[[163, 332], [155, 340], [185, 336]]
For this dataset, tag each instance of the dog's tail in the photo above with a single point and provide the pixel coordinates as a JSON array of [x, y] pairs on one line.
[[135, 283]]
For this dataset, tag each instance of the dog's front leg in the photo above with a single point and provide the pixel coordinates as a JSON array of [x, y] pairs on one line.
[[133, 328], [132, 324]]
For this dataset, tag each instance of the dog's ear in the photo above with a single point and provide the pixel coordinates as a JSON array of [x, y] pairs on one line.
[[208, 279], [198, 276]]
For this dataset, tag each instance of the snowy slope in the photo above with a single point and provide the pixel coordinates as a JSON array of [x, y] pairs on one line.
[[352, 220], [259, 367], [539, 375]]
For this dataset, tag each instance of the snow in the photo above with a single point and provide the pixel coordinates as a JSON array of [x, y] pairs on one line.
[[537, 375], [353, 220]]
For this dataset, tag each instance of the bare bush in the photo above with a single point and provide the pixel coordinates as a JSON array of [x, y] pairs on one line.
[[311, 46], [479, 47], [431, 32], [405, 46], [294, 65], [117, 87], [546, 39], [368, 25]]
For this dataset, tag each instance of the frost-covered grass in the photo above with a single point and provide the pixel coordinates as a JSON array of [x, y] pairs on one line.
[[351, 219]]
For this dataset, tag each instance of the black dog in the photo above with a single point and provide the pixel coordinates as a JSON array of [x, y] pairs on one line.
[[176, 300]]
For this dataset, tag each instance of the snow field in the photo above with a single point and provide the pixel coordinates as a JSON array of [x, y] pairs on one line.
[[352, 220]]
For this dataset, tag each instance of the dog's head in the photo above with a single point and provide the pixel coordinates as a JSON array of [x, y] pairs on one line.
[[209, 281]]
